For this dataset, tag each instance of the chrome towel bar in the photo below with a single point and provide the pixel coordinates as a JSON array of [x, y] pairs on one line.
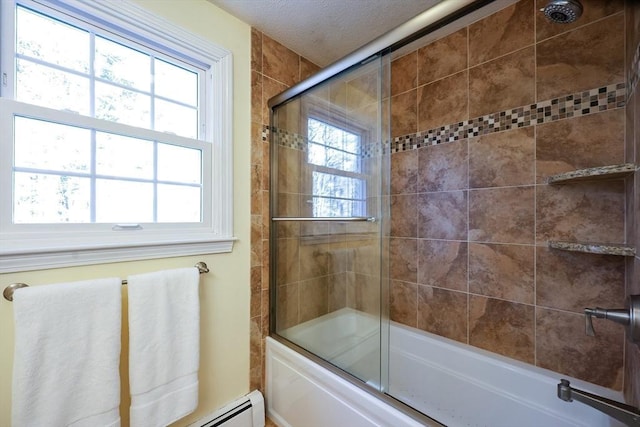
[[327, 218], [9, 290]]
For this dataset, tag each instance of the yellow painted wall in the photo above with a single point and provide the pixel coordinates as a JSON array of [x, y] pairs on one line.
[[224, 356]]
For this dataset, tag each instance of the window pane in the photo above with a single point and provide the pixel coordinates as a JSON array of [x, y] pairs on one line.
[[51, 88], [122, 65], [51, 146], [123, 156], [179, 164], [51, 41], [176, 83], [123, 201], [123, 106], [325, 184], [336, 195], [178, 203], [176, 119], [40, 198], [333, 136], [327, 207]]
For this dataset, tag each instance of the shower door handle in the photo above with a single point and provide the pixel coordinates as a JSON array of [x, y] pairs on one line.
[[327, 218]]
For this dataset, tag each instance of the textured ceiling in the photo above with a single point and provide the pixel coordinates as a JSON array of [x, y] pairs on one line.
[[324, 31]]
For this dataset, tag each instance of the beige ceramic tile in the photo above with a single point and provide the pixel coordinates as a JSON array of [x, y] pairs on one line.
[[287, 307], [404, 214], [588, 212], [443, 167], [442, 264], [443, 102], [502, 327], [503, 32], [502, 159], [287, 261], [442, 57], [597, 50], [307, 68], [256, 292], [314, 298], [403, 263], [502, 271], [404, 172], [403, 303], [366, 292], [403, 73], [503, 83], [562, 346], [256, 98], [631, 374], [592, 10], [279, 62], [502, 215], [404, 114], [270, 88], [580, 142], [443, 312], [256, 50], [338, 284], [443, 215], [572, 281]]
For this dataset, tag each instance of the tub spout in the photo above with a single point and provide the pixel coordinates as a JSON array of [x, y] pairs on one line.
[[621, 412]]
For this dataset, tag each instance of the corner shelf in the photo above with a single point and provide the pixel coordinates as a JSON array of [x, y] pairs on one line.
[[590, 174], [594, 248]]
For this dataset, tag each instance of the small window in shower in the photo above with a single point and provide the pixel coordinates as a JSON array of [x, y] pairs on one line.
[[338, 185]]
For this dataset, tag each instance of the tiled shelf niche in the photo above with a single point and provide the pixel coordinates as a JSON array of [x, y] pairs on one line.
[[591, 174], [594, 174]]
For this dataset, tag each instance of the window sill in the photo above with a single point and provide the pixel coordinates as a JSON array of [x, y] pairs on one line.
[[16, 261]]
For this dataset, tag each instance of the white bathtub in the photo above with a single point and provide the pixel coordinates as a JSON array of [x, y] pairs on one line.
[[453, 383]]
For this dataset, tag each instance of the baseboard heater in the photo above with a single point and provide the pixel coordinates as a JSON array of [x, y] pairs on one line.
[[248, 411]]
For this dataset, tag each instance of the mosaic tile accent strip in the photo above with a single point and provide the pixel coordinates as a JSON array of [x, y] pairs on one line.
[[574, 105]]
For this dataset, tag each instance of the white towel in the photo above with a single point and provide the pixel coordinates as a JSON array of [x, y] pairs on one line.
[[164, 346], [67, 354]]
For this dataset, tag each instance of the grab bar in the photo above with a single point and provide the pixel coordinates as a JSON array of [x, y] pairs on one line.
[[621, 412], [9, 290], [326, 218]]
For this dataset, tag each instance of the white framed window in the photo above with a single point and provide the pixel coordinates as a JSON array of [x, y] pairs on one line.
[[338, 184], [115, 133]]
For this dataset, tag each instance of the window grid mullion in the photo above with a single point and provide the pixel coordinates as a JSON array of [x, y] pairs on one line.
[[155, 181], [93, 183], [92, 113]]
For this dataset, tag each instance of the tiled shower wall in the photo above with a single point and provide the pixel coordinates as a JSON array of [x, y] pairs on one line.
[[632, 155], [273, 69], [480, 118], [471, 215]]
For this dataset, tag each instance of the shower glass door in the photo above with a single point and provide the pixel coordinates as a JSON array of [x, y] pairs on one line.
[[326, 228]]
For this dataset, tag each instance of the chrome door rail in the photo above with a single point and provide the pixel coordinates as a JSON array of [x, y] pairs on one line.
[[437, 16]]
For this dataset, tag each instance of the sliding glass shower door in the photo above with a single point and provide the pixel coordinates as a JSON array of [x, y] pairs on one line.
[[327, 206]]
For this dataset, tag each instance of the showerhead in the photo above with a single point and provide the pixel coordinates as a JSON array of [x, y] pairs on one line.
[[563, 11]]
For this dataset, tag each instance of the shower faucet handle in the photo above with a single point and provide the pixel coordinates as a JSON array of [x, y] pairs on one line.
[[618, 315], [629, 317]]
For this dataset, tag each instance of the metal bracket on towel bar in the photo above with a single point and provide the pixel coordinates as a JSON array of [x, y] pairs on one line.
[[9, 290]]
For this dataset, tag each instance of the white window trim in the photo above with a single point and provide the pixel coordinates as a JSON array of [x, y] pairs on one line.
[[37, 254]]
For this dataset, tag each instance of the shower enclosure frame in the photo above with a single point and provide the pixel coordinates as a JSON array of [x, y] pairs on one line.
[[427, 22]]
